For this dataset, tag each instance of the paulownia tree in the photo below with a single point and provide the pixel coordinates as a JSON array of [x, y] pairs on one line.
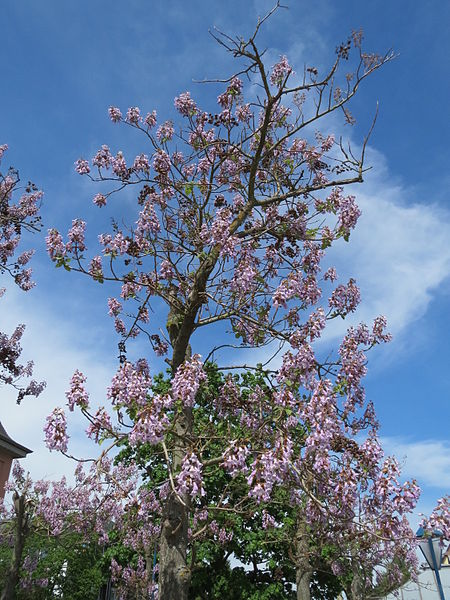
[[235, 210], [50, 530], [15, 218], [349, 532]]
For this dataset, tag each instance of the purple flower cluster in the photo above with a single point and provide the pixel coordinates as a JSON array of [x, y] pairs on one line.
[[82, 166], [133, 115], [151, 422], [161, 162], [321, 417], [439, 518], [141, 164], [185, 105], [235, 459], [270, 469], [55, 430], [166, 270], [165, 132], [114, 114], [115, 308], [96, 269], [77, 395], [100, 425], [349, 214], [189, 481], [103, 158], [130, 386], [298, 368], [345, 298], [187, 380], [119, 166], [76, 236], [150, 119], [99, 200], [280, 72], [55, 245]]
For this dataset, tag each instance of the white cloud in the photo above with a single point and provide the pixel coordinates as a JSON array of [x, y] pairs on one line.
[[55, 347], [399, 253], [428, 461]]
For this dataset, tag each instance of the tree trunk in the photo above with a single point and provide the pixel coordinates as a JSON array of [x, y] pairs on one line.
[[303, 579], [303, 569], [12, 578], [357, 588], [174, 572]]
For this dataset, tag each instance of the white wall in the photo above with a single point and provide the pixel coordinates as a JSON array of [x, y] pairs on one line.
[[425, 588]]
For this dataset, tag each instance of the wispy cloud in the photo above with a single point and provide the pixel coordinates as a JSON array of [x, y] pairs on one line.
[[58, 347], [399, 253], [426, 460]]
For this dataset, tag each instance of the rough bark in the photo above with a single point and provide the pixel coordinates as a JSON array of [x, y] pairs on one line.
[[303, 579], [21, 529], [174, 572], [357, 588], [303, 571]]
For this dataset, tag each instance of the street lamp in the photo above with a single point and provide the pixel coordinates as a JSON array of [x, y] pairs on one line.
[[431, 548]]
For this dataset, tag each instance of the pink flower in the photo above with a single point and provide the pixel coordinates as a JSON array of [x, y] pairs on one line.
[[55, 245], [185, 105], [96, 269], [76, 236], [166, 270], [119, 166], [99, 200], [133, 115], [130, 385], [235, 459], [115, 308], [114, 114], [141, 164], [148, 220], [119, 244], [150, 119], [103, 158], [345, 298], [152, 421], [378, 330], [55, 429], [243, 113], [165, 131], [330, 274], [161, 162], [187, 380], [100, 425], [82, 166], [280, 71], [349, 214], [190, 481], [77, 395]]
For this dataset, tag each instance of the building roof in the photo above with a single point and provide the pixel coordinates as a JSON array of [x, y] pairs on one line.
[[10, 447]]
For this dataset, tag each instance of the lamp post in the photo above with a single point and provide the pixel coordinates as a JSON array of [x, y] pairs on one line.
[[430, 546]]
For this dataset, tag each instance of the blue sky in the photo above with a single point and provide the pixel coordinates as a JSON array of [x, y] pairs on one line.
[[64, 63]]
